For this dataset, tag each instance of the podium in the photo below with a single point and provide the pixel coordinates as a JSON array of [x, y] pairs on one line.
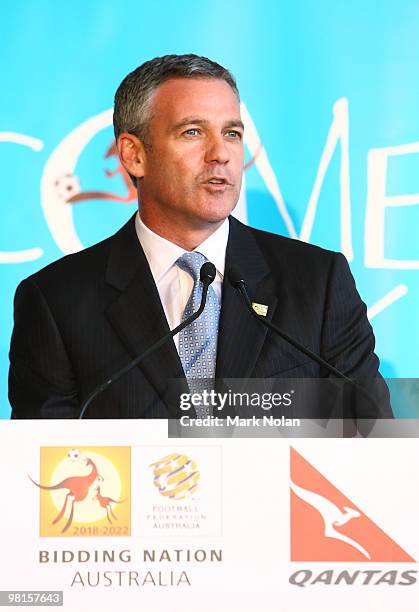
[[117, 515]]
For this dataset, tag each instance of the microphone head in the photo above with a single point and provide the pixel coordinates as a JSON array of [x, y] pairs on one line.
[[207, 273], [235, 277]]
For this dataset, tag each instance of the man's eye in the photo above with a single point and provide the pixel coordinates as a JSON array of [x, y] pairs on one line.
[[234, 134], [192, 132]]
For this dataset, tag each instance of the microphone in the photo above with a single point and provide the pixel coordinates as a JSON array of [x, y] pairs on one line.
[[237, 280], [207, 275]]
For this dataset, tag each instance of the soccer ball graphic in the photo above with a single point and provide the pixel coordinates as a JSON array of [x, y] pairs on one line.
[[73, 454], [176, 476], [67, 186]]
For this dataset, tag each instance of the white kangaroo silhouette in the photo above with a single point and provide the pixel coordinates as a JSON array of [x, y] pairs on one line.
[[331, 514]]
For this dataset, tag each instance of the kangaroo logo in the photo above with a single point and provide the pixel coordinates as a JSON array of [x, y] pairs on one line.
[[106, 502], [80, 488], [332, 516], [327, 526]]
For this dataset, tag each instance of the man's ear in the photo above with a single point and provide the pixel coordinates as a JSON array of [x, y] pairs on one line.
[[131, 152]]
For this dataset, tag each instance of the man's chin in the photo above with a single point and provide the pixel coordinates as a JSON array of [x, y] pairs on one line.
[[215, 211], [214, 220]]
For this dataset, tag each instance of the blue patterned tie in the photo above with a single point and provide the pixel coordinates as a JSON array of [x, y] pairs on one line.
[[198, 341]]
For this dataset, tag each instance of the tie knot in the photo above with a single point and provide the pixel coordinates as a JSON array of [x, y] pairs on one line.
[[191, 263]]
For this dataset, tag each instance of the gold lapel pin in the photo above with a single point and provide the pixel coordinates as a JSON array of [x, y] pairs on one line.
[[260, 309]]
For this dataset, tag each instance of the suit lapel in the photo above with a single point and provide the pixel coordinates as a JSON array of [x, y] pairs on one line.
[[241, 336], [138, 318], [137, 315]]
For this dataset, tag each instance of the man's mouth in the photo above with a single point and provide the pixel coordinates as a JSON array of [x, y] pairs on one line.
[[217, 180]]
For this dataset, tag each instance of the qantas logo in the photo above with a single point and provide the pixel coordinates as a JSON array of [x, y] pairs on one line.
[[327, 526]]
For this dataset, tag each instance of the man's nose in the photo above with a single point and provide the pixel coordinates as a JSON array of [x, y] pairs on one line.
[[217, 150]]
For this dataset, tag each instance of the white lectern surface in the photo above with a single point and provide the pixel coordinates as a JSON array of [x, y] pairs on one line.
[[118, 516]]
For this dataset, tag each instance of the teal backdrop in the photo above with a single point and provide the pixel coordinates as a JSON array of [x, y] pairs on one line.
[[330, 99]]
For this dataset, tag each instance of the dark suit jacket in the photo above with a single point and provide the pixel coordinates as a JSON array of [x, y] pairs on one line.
[[82, 318]]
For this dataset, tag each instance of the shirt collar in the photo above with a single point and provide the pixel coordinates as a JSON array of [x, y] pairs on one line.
[[162, 254]]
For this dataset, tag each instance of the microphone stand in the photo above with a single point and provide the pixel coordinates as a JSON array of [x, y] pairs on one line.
[[238, 282], [207, 275]]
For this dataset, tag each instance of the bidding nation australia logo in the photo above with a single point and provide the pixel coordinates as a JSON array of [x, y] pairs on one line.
[[84, 491]]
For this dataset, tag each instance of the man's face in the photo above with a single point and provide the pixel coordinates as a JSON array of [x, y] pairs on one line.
[[194, 164]]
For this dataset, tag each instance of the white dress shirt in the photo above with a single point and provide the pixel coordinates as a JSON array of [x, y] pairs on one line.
[[173, 284]]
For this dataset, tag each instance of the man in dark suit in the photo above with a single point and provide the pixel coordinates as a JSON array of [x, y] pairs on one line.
[[180, 137]]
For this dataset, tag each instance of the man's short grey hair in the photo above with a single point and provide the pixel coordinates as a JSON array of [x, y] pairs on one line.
[[134, 95]]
